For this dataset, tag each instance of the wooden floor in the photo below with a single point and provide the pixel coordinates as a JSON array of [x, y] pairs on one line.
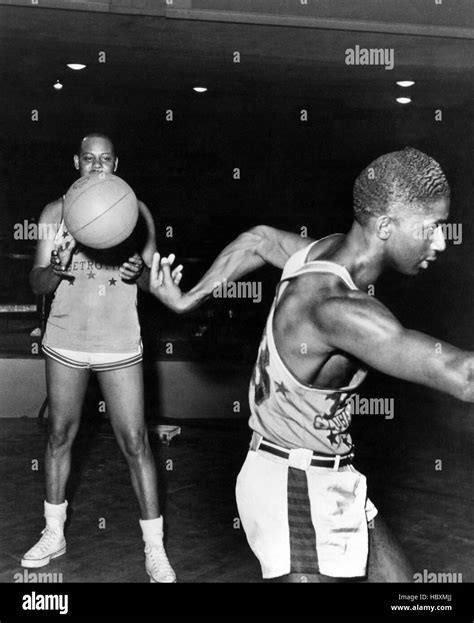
[[430, 510]]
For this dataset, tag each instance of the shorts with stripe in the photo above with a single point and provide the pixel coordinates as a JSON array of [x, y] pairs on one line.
[[310, 520], [97, 362]]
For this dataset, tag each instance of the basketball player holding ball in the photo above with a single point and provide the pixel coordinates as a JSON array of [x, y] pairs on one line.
[[93, 326]]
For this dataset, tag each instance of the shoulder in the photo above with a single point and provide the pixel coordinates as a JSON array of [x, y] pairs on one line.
[[353, 312], [316, 287], [307, 293], [52, 212], [326, 300]]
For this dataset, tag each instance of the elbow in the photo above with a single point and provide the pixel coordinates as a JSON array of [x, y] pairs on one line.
[[464, 379], [259, 230], [467, 390], [255, 239], [34, 284]]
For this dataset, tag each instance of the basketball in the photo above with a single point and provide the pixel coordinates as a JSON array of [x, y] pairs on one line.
[[100, 210]]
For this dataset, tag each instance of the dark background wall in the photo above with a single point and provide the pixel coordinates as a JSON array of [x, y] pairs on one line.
[[293, 174]]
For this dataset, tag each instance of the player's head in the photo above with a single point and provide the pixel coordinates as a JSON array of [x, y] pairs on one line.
[[403, 197], [96, 154]]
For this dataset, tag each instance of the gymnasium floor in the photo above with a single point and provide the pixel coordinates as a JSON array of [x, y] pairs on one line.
[[428, 504]]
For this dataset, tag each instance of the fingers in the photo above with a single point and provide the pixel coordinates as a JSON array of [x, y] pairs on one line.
[[71, 244], [166, 268], [161, 270], [136, 260], [156, 276], [132, 268], [61, 271], [177, 274]]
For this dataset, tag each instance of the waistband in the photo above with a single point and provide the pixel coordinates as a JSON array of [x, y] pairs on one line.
[[300, 458]]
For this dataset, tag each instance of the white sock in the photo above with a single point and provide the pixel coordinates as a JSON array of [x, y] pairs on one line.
[[55, 515], [152, 530]]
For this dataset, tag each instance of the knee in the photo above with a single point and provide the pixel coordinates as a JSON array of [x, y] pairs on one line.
[[135, 445], [60, 439]]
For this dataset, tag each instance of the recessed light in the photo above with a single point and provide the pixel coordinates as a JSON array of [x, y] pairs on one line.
[[57, 85], [200, 89], [76, 66], [405, 83], [403, 100]]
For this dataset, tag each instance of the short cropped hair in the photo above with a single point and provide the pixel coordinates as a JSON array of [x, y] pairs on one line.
[[402, 180], [96, 135]]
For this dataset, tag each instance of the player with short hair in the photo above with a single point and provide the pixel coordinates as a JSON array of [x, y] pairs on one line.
[[93, 326], [303, 505]]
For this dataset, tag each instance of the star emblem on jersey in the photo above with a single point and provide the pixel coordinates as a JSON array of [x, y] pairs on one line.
[[332, 438], [280, 388], [112, 282], [91, 275]]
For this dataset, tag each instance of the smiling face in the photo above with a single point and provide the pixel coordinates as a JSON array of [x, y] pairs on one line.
[[96, 155], [416, 238]]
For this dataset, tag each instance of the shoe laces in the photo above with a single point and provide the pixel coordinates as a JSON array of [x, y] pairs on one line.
[[158, 563], [49, 537]]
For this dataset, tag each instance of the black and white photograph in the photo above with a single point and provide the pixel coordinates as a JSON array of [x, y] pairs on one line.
[[236, 292]]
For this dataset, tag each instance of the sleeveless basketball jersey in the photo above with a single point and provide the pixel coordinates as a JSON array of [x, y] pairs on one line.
[[286, 411], [97, 311]]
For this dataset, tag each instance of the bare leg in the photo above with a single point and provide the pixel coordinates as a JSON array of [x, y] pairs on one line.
[[123, 394], [387, 562], [66, 391]]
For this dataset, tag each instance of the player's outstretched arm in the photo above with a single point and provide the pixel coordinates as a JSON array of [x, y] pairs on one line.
[[363, 327], [251, 250]]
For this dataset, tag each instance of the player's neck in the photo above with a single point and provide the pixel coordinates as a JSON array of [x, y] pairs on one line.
[[362, 255]]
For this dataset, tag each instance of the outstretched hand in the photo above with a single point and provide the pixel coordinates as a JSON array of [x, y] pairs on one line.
[[164, 282]]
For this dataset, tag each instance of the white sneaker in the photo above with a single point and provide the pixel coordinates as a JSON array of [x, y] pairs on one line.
[[51, 545], [157, 564]]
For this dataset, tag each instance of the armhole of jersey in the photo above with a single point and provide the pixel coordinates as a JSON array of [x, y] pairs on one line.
[[310, 248], [310, 268]]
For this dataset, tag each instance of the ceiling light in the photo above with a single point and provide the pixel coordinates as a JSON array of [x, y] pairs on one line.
[[76, 66], [200, 89], [57, 85], [403, 100], [405, 83]]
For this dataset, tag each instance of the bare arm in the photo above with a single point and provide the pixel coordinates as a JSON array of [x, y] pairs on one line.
[[251, 250], [47, 274], [137, 267], [366, 329]]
